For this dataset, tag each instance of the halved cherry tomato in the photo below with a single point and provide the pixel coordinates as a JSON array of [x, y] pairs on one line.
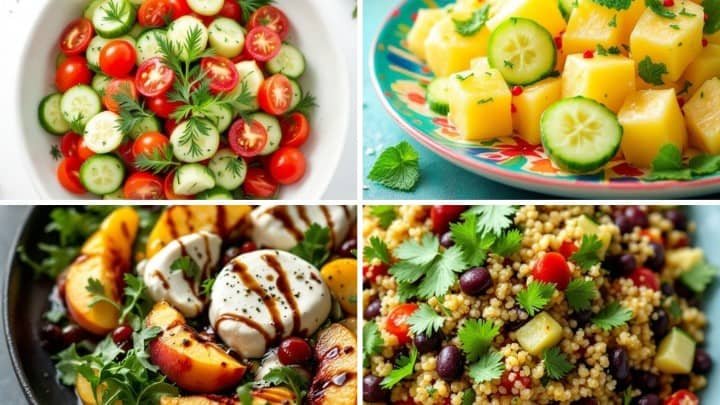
[[154, 77], [83, 151], [143, 186], [68, 174], [155, 13], [161, 106], [117, 58], [221, 72], [397, 322], [553, 268], [149, 142], [272, 18], [513, 382], [69, 144], [442, 215], [125, 151], [76, 37], [295, 130], [231, 9], [247, 139], [372, 272], [683, 397], [568, 248], [275, 95], [180, 8], [263, 43], [643, 277], [170, 126], [72, 71], [169, 190], [259, 184], [116, 87], [287, 165]]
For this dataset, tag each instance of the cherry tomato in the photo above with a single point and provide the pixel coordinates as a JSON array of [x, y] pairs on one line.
[[247, 139], [72, 71], [295, 130], [372, 272], [153, 78], [125, 151], [143, 186], [69, 144], [553, 268], [245, 56], [161, 106], [275, 95], [76, 37], [294, 351], [115, 87], [169, 189], [682, 397], [567, 249], [259, 183], [206, 19], [180, 8], [149, 142], [442, 215], [287, 165], [231, 9], [263, 43], [221, 72], [83, 151], [513, 382], [397, 322], [170, 126], [643, 277], [155, 13], [272, 18], [68, 174], [117, 58]]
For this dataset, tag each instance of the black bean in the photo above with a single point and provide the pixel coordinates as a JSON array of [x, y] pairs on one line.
[[645, 381], [450, 363], [373, 391], [582, 317], [656, 262], [659, 323], [348, 248], [426, 344], [637, 216], [475, 281], [620, 265], [667, 289], [619, 364], [623, 223], [373, 309], [648, 399], [446, 240], [681, 382], [703, 362], [678, 219]]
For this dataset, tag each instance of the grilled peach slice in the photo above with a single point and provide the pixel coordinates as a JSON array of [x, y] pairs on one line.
[[336, 379], [262, 396]]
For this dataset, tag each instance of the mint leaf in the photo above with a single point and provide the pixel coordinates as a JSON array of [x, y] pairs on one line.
[[705, 164], [668, 165], [474, 24], [615, 4], [652, 72], [398, 167]]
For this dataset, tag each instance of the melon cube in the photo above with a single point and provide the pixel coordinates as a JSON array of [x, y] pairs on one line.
[[703, 68], [669, 44], [650, 120], [480, 103], [606, 79], [544, 12], [703, 117], [590, 25], [530, 105], [426, 19], [448, 52]]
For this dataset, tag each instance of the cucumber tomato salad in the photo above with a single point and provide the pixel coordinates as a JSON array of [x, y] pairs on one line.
[[178, 99]]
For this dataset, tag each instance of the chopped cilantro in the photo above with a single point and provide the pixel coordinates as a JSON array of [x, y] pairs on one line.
[[509, 243], [508, 64], [675, 26], [489, 367], [556, 364], [425, 321], [612, 316], [652, 72], [405, 367], [474, 24], [580, 293], [473, 244], [658, 8], [372, 341], [685, 13], [588, 254], [314, 246], [476, 336], [468, 397], [535, 296], [485, 100], [493, 218], [398, 167], [385, 214], [613, 21], [615, 4], [377, 250], [712, 10], [668, 165]]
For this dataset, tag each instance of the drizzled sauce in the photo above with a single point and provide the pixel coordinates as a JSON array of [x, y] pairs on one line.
[[247, 321], [330, 224], [242, 271], [283, 286], [282, 215], [220, 219], [158, 274], [302, 213]]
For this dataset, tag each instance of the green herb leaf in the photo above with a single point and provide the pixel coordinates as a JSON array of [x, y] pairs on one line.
[[471, 26], [307, 104], [712, 10], [652, 72], [705, 164], [444, 274], [405, 368], [248, 7], [474, 245], [580, 293], [489, 366], [476, 337], [556, 364], [425, 321], [419, 253], [377, 250], [658, 8], [159, 161], [188, 266], [372, 341], [699, 277], [468, 397], [508, 244], [535, 296], [588, 254], [244, 393], [314, 247], [398, 167], [290, 378], [206, 286], [385, 214], [493, 218], [668, 165], [615, 4], [612, 316], [97, 291]]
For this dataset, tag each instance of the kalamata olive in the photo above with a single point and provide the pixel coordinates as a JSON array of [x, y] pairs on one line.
[[637, 216], [623, 223], [678, 219], [620, 265], [372, 390], [122, 336], [450, 363], [659, 323], [645, 380], [294, 351], [681, 382], [585, 401], [475, 281], [73, 334], [426, 344], [373, 309], [648, 399], [619, 363], [703, 362], [667, 289], [447, 240], [52, 338], [348, 248], [656, 262]]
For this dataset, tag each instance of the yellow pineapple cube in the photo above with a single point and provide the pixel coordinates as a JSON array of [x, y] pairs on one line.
[[606, 79], [544, 12], [530, 105], [641, 84], [426, 19], [669, 44], [590, 25], [704, 67], [472, 5], [630, 18], [703, 117], [448, 52], [480, 64], [480, 103], [650, 120]]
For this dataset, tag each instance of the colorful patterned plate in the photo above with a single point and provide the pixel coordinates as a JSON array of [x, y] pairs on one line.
[[399, 78]]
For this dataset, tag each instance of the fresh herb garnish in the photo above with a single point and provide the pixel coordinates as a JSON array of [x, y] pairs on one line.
[[668, 165], [425, 321], [250, 6], [55, 152], [476, 336], [588, 254], [468, 397], [685, 13], [307, 103], [314, 246], [699, 277], [137, 302], [98, 294], [556, 364], [509, 243], [493, 218], [474, 245], [612, 316], [159, 161], [398, 167], [244, 393], [615, 4], [658, 8], [580, 293], [372, 341], [189, 268], [535, 296], [377, 250], [652, 73], [385, 214], [489, 366], [405, 366], [601, 50], [474, 24], [712, 10], [291, 378], [485, 100]]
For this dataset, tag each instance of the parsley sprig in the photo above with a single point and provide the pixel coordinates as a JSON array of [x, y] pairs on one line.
[[159, 161], [377, 249], [289, 377], [385, 214], [669, 165], [588, 254], [651, 72]]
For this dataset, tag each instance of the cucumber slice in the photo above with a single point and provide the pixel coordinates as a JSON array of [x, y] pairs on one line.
[[102, 132], [192, 179], [102, 174], [522, 50], [217, 193], [148, 46], [226, 37], [272, 127], [296, 94], [580, 134], [289, 61], [80, 103], [251, 78], [181, 29], [438, 96], [115, 195], [195, 142], [89, 12], [114, 18], [229, 170], [136, 31], [99, 83], [96, 45], [566, 7], [50, 115], [206, 7], [147, 124], [221, 116]]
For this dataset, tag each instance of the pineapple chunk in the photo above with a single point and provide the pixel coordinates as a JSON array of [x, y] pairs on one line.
[[590, 227], [472, 5], [542, 11], [448, 52], [480, 64], [703, 68], [684, 258], [539, 334], [426, 19], [590, 25], [650, 120], [480, 103], [703, 117], [630, 18], [531, 104], [676, 353], [606, 79], [673, 43]]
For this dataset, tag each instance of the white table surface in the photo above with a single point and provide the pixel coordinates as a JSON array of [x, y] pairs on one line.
[[15, 17]]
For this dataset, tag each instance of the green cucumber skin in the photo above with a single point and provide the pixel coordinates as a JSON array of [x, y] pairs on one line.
[[438, 104], [97, 158], [44, 123], [500, 29]]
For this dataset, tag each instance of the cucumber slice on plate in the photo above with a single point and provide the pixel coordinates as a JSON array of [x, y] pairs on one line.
[[91, 7], [195, 141], [100, 83], [580, 134], [229, 170], [147, 124], [289, 61], [437, 96], [221, 116], [566, 7], [217, 193], [522, 50], [50, 115], [274, 133], [102, 174], [192, 179], [296, 94], [102, 132], [251, 78], [96, 45], [206, 7], [80, 103], [226, 37], [185, 26], [148, 46], [114, 18]]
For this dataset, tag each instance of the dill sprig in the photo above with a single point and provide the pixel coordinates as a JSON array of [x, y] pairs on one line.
[[114, 11], [132, 112], [307, 103], [159, 161], [195, 128], [250, 6]]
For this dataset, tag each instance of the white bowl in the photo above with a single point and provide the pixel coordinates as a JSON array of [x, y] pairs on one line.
[[327, 77]]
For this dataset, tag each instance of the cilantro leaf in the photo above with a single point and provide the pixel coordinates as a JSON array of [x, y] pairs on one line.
[[377, 250], [407, 272], [476, 336], [588, 254], [658, 8], [580, 293], [244, 393], [615, 4], [473, 244], [406, 290], [652, 72], [489, 366], [712, 10], [137, 302], [705, 164], [372, 341], [509, 243], [425, 321], [493, 218], [291, 378], [385, 214], [612, 316], [420, 253], [405, 368], [442, 276], [535, 296], [468, 397], [474, 24], [398, 167], [315, 245], [556, 365], [668, 165], [699, 277]]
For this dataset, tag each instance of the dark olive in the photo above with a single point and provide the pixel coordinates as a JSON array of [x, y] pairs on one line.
[[372, 391], [373, 309], [667, 289], [446, 240], [582, 317], [659, 323], [348, 248], [648, 399], [656, 262], [623, 223], [703, 362], [637, 216], [450, 363], [678, 219], [475, 281], [619, 364], [52, 338], [426, 344]]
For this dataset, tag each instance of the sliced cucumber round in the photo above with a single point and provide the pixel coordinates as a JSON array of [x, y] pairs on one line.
[[221, 116], [100, 83], [192, 179], [80, 104], [566, 7], [51, 117], [206, 7], [296, 94], [522, 50], [217, 193], [229, 169], [251, 78], [114, 18], [148, 45], [195, 141], [181, 29], [289, 61], [91, 7], [102, 174], [147, 124], [437, 96], [580, 134], [226, 37], [274, 133], [102, 132]]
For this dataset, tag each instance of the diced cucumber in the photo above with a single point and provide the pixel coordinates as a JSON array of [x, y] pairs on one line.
[[522, 50], [217, 193], [180, 29], [229, 169], [80, 104], [148, 46], [274, 133], [289, 61], [221, 116], [99, 83], [102, 132], [206, 7], [539, 334], [195, 141], [676, 353], [251, 78], [566, 7], [296, 94], [136, 31], [96, 45], [192, 179], [580, 134], [89, 12], [50, 115], [114, 18], [102, 174], [226, 37], [437, 96], [147, 124]]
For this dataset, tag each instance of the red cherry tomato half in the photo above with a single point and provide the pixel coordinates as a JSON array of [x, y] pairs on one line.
[[247, 139], [143, 186], [259, 184], [397, 322], [170, 126], [287, 165], [643, 277], [68, 174], [116, 87], [125, 151], [155, 13], [153, 78], [149, 142], [275, 95], [683, 397], [295, 130], [231, 9], [272, 18], [568, 248], [161, 106], [221, 72], [72, 71], [513, 382], [83, 151], [117, 58], [553, 268], [69, 144], [179, 8], [262, 43], [442, 215], [76, 37]]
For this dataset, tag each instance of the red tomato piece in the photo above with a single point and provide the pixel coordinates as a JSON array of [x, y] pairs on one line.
[[553, 268], [683, 397], [170, 126], [272, 18], [83, 151], [643, 277], [275, 95], [76, 37], [68, 174], [513, 382], [125, 151], [116, 87], [149, 142], [117, 58], [231, 9], [154, 77], [568, 248], [161, 106], [442, 215], [397, 322], [259, 184], [179, 8], [295, 130], [72, 71], [247, 139], [155, 13], [263, 43], [372, 272], [287, 165], [69, 144], [221, 72], [143, 186]]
